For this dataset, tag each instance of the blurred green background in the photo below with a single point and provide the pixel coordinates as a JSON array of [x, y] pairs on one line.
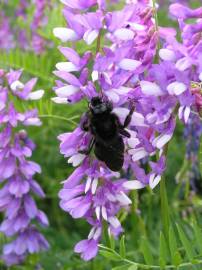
[[143, 222]]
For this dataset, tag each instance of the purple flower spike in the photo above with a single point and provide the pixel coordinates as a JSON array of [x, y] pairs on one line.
[[120, 71], [17, 172]]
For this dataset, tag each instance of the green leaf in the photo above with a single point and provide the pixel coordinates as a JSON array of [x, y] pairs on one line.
[[133, 267], [122, 248], [112, 241], [175, 255], [186, 243], [121, 267], [162, 251], [198, 235], [164, 209], [110, 255], [40, 67], [145, 249]]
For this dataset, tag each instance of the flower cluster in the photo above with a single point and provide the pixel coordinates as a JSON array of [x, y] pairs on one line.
[[6, 36], [17, 171], [120, 68], [17, 36], [39, 20], [192, 134]]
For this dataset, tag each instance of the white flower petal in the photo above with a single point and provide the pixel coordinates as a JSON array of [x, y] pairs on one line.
[[121, 112], [97, 212], [90, 36], [34, 121], [129, 64], [67, 91], [95, 75], [180, 112], [161, 140], [17, 85], [76, 159], [88, 184], [94, 185], [133, 142], [66, 66], [167, 55], [124, 34], [122, 90], [154, 180], [137, 120], [104, 213], [138, 153], [91, 233], [36, 95], [114, 222], [65, 34], [133, 184], [107, 78], [111, 197], [137, 26], [112, 96], [200, 76], [123, 198], [176, 88], [2, 105], [186, 114], [59, 100], [165, 117], [151, 117], [183, 64], [97, 233], [150, 89]]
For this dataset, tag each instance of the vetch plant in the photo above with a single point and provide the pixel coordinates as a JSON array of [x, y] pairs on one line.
[[17, 171], [121, 79]]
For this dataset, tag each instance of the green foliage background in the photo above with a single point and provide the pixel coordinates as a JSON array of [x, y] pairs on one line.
[[148, 240]]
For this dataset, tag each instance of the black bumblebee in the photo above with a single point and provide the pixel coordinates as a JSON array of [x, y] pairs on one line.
[[107, 133]]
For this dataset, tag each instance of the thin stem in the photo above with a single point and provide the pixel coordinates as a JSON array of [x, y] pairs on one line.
[[149, 267], [164, 209], [156, 21], [98, 42], [155, 14], [60, 117]]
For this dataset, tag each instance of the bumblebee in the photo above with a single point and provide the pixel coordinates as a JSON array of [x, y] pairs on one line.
[[107, 133]]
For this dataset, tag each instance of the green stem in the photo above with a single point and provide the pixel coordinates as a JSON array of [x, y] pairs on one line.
[[155, 14], [99, 42], [60, 117], [149, 267], [156, 21], [164, 209]]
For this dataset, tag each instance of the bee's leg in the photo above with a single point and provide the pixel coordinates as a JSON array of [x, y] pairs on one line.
[[88, 150], [124, 133], [84, 123], [129, 117]]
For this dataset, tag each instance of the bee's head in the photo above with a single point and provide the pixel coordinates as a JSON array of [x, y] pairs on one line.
[[99, 106]]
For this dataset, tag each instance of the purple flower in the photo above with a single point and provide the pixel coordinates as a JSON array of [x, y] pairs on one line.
[[12, 35], [39, 20], [121, 70], [17, 172], [88, 249], [6, 35]]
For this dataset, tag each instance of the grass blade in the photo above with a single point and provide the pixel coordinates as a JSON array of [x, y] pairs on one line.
[[186, 243]]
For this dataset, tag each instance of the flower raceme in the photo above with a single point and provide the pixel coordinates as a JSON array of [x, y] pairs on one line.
[[118, 65], [17, 36], [17, 171]]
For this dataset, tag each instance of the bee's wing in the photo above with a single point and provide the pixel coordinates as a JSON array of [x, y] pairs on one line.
[[112, 154]]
